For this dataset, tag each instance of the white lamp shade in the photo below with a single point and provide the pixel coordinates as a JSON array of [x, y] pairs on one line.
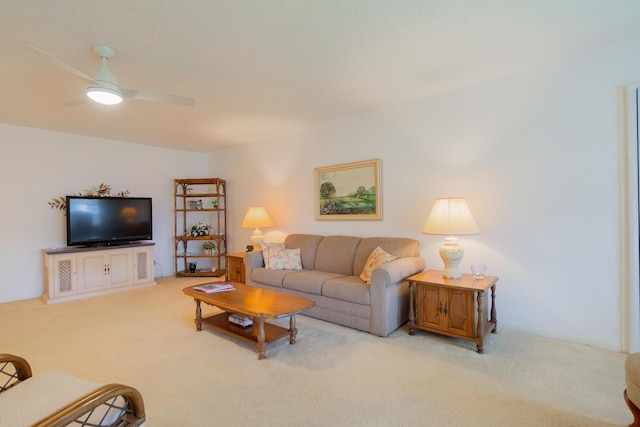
[[450, 216], [256, 217]]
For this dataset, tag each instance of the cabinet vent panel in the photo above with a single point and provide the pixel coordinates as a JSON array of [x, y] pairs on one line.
[[65, 275], [141, 259]]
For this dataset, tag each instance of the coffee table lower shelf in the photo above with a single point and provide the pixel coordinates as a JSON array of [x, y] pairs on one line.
[[220, 322]]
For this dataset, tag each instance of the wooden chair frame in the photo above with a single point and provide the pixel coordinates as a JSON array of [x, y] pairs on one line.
[[15, 369], [635, 411]]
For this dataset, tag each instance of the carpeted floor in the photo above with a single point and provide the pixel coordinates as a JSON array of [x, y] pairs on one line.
[[333, 376]]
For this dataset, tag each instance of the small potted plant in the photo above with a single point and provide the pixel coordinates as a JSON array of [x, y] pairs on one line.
[[209, 247]]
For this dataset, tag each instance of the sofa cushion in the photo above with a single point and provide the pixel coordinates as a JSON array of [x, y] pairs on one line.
[[284, 259], [348, 288], [308, 243], [377, 258], [266, 250], [335, 254], [398, 246], [308, 281], [269, 277]]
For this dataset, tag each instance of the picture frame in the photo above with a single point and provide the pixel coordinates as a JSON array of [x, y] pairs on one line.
[[348, 191]]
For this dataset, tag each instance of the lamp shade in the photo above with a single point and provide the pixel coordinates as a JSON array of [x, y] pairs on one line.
[[450, 216], [256, 217]]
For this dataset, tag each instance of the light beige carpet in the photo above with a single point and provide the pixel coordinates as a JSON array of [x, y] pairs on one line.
[[333, 376]]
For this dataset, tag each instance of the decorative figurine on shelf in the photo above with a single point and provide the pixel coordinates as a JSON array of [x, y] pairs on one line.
[[209, 248], [195, 204], [192, 267]]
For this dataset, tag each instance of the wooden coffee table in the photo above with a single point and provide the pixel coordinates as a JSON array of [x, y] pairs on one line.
[[257, 303]]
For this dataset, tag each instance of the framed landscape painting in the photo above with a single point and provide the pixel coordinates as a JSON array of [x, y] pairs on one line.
[[349, 191]]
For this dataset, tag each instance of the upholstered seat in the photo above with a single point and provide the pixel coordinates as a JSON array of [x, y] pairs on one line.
[[59, 399], [632, 392]]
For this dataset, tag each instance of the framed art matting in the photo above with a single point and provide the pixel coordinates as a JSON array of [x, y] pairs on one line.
[[349, 191]]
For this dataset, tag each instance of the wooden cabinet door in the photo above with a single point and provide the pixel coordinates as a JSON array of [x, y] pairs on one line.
[[119, 267], [459, 312], [92, 271], [428, 303]]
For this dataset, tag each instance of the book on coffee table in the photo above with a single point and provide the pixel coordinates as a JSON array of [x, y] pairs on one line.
[[240, 320], [215, 287]]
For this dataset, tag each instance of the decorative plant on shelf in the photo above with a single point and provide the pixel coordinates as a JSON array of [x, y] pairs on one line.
[[102, 190], [200, 229], [209, 247]]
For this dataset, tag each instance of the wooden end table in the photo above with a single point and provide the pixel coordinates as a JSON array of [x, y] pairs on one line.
[[452, 307], [235, 267], [257, 303]]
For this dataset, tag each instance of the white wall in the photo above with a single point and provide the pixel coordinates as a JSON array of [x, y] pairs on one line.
[[534, 153], [37, 165]]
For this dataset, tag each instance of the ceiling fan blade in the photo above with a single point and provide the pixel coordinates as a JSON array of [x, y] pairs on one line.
[[158, 97], [68, 68]]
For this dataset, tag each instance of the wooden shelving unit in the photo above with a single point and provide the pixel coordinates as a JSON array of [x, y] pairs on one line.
[[200, 200]]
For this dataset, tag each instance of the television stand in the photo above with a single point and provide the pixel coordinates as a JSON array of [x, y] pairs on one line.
[[79, 272]]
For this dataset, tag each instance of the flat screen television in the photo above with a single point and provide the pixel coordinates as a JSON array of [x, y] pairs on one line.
[[104, 221]]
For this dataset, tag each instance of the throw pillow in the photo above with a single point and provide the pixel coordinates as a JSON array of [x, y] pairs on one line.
[[377, 258], [285, 259], [266, 248]]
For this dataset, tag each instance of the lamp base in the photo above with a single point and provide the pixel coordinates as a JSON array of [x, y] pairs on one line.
[[451, 254], [257, 239]]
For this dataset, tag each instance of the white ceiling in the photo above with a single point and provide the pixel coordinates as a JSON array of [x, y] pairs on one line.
[[262, 68]]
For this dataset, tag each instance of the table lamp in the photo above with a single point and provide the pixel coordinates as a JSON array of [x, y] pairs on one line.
[[256, 217], [449, 217]]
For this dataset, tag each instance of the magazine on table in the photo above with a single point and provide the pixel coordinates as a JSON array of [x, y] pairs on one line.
[[210, 288]]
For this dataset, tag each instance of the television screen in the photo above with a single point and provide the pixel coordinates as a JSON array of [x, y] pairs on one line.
[[95, 221]]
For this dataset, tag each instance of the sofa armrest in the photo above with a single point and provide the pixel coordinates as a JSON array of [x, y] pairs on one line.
[[253, 260], [13, 370], [389, 292], [396, 271]]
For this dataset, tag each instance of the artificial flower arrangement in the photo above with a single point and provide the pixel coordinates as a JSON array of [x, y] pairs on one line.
[[200, 229], [102, 190]]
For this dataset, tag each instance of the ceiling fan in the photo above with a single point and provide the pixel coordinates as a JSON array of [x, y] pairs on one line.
[[104, 87]]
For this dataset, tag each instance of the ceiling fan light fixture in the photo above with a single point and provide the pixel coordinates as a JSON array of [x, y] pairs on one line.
[[103, 95]]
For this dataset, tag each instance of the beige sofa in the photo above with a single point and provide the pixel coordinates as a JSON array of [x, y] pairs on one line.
[[330, 276]]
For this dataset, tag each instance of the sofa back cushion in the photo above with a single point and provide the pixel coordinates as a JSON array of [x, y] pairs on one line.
[[336, 254], [308, 244], [398, 246]]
